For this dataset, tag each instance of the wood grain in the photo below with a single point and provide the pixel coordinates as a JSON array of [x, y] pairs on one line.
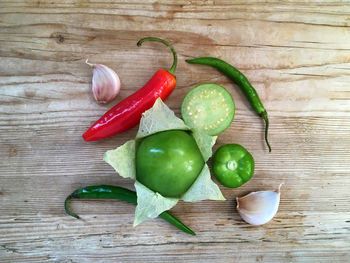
[[297, 56]]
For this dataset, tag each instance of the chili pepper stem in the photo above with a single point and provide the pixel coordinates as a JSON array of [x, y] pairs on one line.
[[155, 39], [266, 119]]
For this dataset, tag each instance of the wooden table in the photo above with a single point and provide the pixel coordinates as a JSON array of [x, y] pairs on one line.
[[296, 54]]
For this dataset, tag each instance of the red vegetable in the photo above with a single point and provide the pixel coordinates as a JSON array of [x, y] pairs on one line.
[[127, 114]]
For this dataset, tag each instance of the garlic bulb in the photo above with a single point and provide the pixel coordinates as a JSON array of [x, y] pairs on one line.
[[258, 208], [105, 83]]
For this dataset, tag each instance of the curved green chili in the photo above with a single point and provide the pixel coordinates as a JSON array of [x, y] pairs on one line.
[[155, 39], [242, 82], [115, 192]]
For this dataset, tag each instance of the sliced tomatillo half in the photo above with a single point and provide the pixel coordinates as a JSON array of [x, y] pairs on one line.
[[209, 107]]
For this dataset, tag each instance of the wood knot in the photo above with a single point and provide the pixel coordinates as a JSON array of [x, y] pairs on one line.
[[12, 152], [59, 37]]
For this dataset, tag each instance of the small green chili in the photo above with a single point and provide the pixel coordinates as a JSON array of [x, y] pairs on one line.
[[242, 82], [115, 192]]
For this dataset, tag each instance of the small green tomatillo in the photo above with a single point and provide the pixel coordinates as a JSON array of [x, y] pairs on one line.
[[233, 165]]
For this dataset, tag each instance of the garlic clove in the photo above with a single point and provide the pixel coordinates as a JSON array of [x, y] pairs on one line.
[[258, 208], [105, 83]]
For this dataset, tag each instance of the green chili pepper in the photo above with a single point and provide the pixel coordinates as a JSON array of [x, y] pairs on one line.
[[233, 165], [242, 82], [115, 192]]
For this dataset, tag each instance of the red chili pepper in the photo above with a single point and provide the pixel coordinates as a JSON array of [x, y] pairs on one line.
[[127, 113]]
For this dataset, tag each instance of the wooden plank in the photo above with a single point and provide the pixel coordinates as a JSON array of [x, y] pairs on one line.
[[296, 55], [291, 236]]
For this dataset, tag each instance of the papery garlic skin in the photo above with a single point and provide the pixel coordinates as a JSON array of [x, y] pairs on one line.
[[105, 83], [258, 208]]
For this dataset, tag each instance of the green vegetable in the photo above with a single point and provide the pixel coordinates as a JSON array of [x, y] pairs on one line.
[[209, 107], [149, 203], [168, 162], [115, 192], [242, 82], [233, 165]]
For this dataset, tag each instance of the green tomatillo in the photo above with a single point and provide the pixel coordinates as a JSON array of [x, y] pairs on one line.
[[233, 165], [168, 162]]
